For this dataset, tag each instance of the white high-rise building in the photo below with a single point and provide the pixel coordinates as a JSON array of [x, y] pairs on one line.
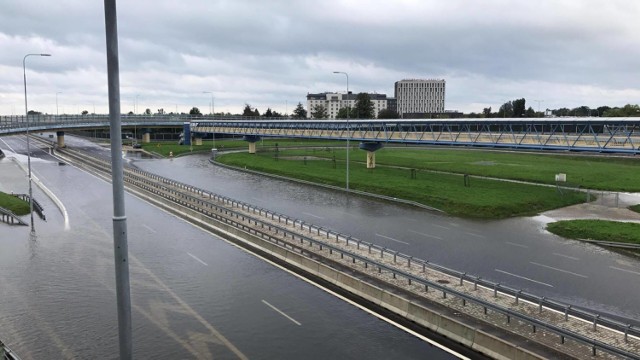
[[418, 96], [333, 102]]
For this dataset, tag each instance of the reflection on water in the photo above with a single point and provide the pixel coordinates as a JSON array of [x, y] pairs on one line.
[[133, 154]]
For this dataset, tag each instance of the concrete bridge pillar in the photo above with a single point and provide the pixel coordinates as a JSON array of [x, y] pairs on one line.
[[186, 133], [60, 135], [371, 148], [197, 140], [146, 136], [252, 139]]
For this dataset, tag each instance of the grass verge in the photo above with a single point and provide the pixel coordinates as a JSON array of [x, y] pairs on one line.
[[10, 202], [484, 198], [604, 230], [635, 208]]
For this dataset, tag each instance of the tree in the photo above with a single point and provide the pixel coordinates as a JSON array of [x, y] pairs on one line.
[[487, 112], [276, 114], [319, 112], [256, 113], [248, 111], [33, 112], [268, 113], [530, 113], [506, 110], [85, 112], [299, 112], [147, 112], [519, 107], [343, 112], [364, 106], [626, 111], [161, 111], [388, 114], [195, 111]]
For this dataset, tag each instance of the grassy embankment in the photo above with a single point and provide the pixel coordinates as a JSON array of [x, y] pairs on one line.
[[484, 198], [9, 202], [597, 230]]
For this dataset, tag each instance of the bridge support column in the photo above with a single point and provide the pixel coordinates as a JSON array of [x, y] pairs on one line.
[[197, 140], [146, 136], [371, 148], [60, 135], [186, 133], [252, 139]]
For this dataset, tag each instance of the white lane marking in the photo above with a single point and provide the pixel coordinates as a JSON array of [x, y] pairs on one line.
[[625, 270], [561, 270], [441, 227], [392, 239], [281, 313], [426, 235], [522, 277], [195, 257], [518, 245], [476, 235], [566, 256], [148, 228], [315, 216]]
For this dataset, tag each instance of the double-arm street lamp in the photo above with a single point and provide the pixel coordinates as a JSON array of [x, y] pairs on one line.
[[348, 133], [26, 114]]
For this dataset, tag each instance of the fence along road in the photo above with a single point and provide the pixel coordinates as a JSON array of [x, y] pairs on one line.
[[577, 332]]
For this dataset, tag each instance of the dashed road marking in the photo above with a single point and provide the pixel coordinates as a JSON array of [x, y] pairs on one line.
[[515, 244], [625, 270], [282, 313], [524, 278], [561, 270], [566, 256], [426, 235], [392, 239], [196, 258], [315, 216]]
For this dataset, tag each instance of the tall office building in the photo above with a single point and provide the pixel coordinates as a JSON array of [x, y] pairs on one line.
[[418, 96]]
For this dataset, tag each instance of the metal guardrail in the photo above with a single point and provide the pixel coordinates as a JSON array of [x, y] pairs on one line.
[[195, 203], [9, 217], [36, 205]]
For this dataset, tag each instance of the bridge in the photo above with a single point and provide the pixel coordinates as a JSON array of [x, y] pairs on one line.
[[593, 134]]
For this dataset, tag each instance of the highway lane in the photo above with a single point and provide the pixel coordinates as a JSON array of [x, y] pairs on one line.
[[194, 295], [516, 252]]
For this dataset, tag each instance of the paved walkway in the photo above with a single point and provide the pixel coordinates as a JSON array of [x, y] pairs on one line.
[[597, 211]]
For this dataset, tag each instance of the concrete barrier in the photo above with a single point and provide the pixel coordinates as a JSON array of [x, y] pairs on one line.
[[456, 330]]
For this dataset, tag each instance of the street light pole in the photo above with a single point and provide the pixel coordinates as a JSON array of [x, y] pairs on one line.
[[57, 113], [26, 114], [211, 108], [348, 133]]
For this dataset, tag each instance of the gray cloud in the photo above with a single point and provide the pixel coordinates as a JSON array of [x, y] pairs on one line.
[[268, 53]]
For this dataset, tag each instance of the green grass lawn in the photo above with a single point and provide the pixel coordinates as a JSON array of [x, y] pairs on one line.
[[597, 230], [483, 199], [594, 172], [635, 208], [19, 207]]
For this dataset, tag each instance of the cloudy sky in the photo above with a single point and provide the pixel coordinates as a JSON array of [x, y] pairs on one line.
[[271, 53]]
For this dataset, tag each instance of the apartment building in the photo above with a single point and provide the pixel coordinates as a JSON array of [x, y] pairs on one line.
[[333, 102]]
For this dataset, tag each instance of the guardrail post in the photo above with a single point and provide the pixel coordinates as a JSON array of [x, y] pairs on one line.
[[566, 312], [533, 327], [464, 302], [424, 267], [595, 322], [495, 290], [540, 304], [394, 256], [444, 294], [508, 319], [562, 339], [381, 253], [462, 277], [358, 244], [626, 332], [409, 261], [518, 296], [475, 283], [593, 350]]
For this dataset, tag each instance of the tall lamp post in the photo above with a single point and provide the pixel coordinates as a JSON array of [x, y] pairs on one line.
[[57, 113], [348, 133], [26, 114], [212, 108]]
